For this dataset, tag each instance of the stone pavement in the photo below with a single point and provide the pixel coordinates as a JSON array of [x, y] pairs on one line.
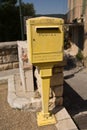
[[75, 95], [4, 74], [77, 79], [64, 121]]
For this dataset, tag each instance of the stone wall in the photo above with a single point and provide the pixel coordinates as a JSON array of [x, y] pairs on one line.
[[8, 55], [56, 84]]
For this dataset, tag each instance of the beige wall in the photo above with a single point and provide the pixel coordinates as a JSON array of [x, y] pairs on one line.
[[75, 11]]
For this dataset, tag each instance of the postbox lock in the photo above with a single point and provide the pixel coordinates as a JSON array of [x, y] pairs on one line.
[[33, 39]]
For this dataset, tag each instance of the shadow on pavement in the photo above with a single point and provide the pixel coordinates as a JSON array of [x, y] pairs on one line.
[[69, 76], [75, 105], [73, 73]]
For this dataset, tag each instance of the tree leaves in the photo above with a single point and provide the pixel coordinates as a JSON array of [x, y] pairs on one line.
[[10, 29], [12, 2]]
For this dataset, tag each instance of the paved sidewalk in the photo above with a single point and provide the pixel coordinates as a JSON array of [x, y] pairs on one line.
[[5, 74], [75, 95], [8, 72], [77, 79]]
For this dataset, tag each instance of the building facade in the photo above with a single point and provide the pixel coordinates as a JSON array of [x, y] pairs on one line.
[[77, 21]]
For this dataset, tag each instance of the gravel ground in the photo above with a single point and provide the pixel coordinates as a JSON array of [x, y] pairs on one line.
[[14, 119]]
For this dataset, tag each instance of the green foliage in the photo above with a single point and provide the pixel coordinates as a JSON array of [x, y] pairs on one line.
[[10, 29], [79, 56], [28, 9], [13, 2], [9, 21]]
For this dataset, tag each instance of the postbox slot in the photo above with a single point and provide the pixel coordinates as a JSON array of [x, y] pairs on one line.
[[48, 30]]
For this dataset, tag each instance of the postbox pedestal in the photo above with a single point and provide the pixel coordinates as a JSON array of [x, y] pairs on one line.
[[44, 117], [42, 120]]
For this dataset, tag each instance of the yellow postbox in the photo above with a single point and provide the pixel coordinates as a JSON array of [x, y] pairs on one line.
[[45, 48]]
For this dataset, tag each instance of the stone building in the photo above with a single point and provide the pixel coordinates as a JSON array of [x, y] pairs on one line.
[[77, 21]]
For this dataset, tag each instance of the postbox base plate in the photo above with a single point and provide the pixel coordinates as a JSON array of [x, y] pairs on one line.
[[42, 120]]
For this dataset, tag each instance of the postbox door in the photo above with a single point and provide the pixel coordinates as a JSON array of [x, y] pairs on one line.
[[47, 39]]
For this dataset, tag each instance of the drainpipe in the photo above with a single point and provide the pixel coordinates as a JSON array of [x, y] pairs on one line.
[[84, 6], [74, 8], [21, 20]]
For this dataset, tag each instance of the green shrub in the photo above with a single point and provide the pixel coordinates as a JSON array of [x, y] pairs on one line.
[[79, 56]]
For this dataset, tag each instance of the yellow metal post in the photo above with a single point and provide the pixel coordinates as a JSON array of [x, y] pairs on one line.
[[44, 117]]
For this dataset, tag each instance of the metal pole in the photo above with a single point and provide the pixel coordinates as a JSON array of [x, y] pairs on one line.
[[21, 20]]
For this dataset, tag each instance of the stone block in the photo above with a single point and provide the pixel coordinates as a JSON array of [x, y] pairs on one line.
[[7, 52], [1, 67], [15, 65], [3, 81], [2, 52], [56, 79], [1, 60], [13, 58], [57, 90], [58, 101], [6, 58], [10, 66], [14, 51], [7, 66], [61, 63], [56, 69]]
